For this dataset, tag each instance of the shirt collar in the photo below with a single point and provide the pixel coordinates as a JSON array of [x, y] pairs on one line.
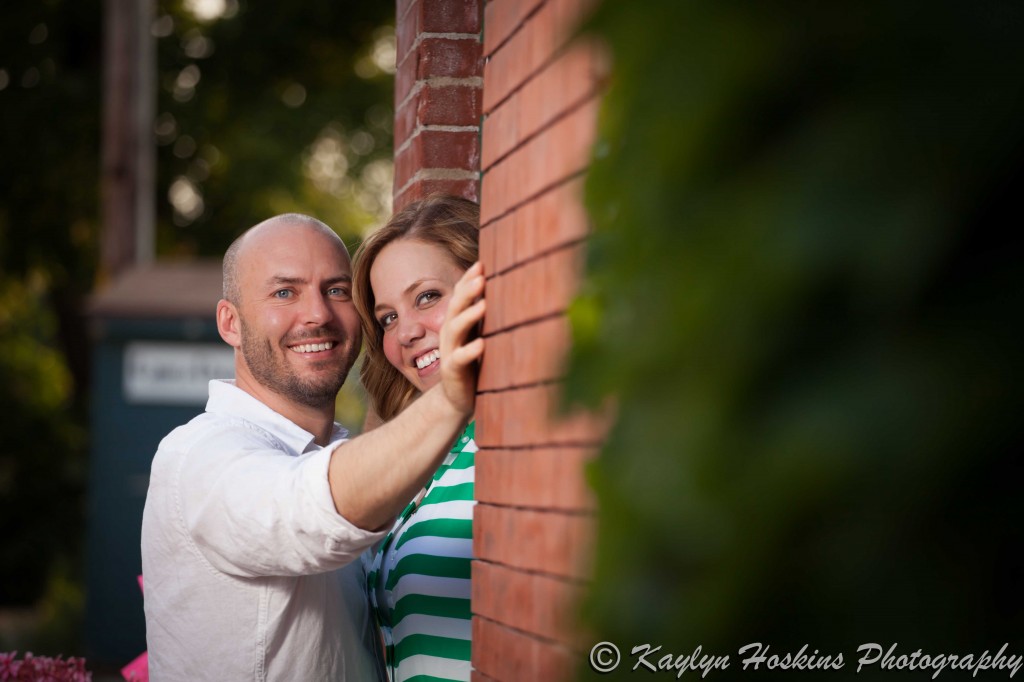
[[227, 399]]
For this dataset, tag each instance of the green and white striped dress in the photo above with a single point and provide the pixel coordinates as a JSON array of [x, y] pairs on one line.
[[419, 583]]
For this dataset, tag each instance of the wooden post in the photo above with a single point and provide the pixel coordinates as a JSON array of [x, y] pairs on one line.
[[128, 150]]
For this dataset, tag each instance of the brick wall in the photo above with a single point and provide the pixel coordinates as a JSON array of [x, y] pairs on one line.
[[534, 523], [437, 98], [534, 97]]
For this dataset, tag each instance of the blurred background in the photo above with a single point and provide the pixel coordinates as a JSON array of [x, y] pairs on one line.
[[804, 290], [258, 108]]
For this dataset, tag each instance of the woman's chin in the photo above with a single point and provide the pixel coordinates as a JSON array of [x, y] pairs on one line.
[[427, 378]]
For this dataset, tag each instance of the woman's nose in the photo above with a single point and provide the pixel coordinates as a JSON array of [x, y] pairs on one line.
[[409, 331]]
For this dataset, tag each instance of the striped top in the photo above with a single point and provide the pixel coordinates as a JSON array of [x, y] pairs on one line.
[[419, 583]]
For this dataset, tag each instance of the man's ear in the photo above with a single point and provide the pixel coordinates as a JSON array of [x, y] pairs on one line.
[[228, 323]]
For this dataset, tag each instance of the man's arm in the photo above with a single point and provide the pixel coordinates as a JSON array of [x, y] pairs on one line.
[[374, 476]]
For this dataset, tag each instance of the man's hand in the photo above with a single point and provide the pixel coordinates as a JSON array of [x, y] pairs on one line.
[[460, 351]]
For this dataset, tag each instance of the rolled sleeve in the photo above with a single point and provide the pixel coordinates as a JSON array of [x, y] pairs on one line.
[[251, 510]]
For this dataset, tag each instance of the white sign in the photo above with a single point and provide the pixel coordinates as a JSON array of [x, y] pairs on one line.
[[174, 373]]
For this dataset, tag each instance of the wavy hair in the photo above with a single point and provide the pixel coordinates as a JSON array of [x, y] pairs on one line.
[[451, 222]]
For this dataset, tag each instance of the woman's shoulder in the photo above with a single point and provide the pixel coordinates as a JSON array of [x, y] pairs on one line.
[[466, 442]]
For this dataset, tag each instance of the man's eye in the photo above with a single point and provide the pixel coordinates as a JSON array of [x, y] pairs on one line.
[[340, 292], [282, 293], [386, 321]]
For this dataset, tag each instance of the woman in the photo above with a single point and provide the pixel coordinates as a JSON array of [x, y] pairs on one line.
[[419, 583]]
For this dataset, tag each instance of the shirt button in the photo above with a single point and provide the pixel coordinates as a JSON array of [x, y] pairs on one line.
[[465, 439]]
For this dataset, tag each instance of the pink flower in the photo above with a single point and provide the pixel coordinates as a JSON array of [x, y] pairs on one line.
[[42, 669]]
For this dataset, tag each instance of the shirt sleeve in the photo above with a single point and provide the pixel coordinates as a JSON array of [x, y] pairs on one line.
[[252, 510]]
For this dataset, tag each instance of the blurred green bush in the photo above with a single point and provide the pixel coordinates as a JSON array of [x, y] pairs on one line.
[[804, 287]]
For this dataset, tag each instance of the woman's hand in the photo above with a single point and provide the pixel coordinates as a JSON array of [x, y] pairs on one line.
[[460, 351]]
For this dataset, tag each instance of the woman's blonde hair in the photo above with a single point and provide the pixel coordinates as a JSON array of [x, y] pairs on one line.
[[451, 222]]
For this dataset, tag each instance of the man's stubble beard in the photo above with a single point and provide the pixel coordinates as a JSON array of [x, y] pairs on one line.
[[271, 371]]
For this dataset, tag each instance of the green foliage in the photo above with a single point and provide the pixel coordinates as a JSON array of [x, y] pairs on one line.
[[49, 109], [272, 107], [804, 288], [245, 102], [42, 465]]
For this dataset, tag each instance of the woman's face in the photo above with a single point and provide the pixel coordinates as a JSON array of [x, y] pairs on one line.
[[412, 283]]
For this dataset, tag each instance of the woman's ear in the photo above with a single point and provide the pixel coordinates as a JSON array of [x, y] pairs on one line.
[[228, 323]]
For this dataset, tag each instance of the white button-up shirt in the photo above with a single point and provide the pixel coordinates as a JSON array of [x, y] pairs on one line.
[[241, 551]]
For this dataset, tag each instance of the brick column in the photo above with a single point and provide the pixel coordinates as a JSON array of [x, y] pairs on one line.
[[437, 99], [533, 523]]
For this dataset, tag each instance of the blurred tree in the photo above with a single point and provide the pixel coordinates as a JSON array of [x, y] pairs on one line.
[[266, 107], [804, 288], [49, 118], [262, 108]]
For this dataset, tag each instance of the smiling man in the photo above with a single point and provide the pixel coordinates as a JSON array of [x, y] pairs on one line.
[[258, 507]]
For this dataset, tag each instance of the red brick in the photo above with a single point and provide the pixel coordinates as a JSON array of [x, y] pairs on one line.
[[525, 52], [502, 18], [554, 543], [451, 57], [536, 42], [562, 85], [494, 369], [495, 293], [402, 7], [532, 417], [504, 654], [559, 219], [521, 478], [421, 188], [547, 284], [409, 26], [571, 13], [451, 16], [405, 121], [405, 76], [488, 239], [555, 155], [526, 355], [456, 105], [499, 231], [446, 149], [502, 75], [437, 149], [525, 237], [554, 219], [434, 56], [500, 131], [543, 38], [538, 604]]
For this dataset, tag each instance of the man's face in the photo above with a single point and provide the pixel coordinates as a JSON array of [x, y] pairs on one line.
[[300, 331]]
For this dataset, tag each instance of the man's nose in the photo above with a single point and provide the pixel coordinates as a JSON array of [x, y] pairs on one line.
[[318, 310]]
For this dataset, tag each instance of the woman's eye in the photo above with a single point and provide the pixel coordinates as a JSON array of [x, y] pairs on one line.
[[427, 297], [386, 321]]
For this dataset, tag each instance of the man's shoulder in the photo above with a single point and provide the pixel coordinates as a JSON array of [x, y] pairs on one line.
[[209, 430]]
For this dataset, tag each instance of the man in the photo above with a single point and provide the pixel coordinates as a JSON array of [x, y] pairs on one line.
[[258, 507]]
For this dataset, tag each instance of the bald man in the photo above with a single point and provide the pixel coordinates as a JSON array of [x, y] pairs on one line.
[[258, 508]]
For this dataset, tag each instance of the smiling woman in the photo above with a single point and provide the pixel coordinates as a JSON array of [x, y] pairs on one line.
[[402, 276], [419, 581], [412, 281]]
